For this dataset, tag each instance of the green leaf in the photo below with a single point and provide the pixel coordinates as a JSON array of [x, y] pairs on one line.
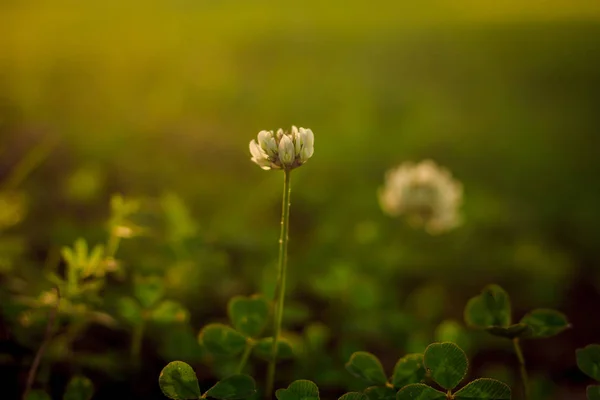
[[545, 322], [593, 392], [490, 308], [68, 256], [588, 360], [447, 363], [264, 349], [81, 252], [232, 388], [354, 396], [511, 332], [130, 310], [169, 312], [419, 391], [178, 381], [409, 369], [484, 389], [366, 366], [249, 315], [79, 388], [38, 395], [380, 393], [148, 290], [222, 340], [299, 390]]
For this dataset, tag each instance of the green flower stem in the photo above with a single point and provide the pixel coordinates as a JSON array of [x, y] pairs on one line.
[[524, 377], [280, 288], [40, 352], [244, 358]]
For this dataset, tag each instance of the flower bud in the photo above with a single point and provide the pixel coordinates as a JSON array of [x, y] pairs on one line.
[[267, 142], [287, 153], [305, 143], [259, 156], [282, 150]]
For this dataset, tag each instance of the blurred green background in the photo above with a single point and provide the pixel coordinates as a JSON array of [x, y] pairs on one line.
[[159, 100]]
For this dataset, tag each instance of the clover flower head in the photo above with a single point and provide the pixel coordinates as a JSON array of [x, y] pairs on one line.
[[282, 150], [425, 193]]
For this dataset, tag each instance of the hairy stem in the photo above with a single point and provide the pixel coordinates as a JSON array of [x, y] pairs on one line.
[[40, 352], [280, 288], [524, 377]]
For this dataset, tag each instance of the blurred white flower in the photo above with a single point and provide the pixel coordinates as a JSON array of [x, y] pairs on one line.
[[282, 150], [425, 193]]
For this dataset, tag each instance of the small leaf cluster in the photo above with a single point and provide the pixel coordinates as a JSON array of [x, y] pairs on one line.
[[78, 388], [491, 311], [588, 361], [447, 366], [86, 266], [248, 317], [148, 304], [409, 369], [307, 390], [178, 381]]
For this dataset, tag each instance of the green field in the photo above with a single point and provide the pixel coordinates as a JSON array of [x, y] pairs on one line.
[[158, 102]]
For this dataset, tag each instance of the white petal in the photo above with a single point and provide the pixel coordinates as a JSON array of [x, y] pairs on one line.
[[305, 154], [267, 143], [264, 135], [259, 156], [309, 137], [286, 150], [255, 150], [294, 135], [279, 135], [299, 139], [261, 162], [308, 147]]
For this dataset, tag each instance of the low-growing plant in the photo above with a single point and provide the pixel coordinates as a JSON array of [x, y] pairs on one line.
[[492, 312], [249, 317], [303, 389], [445, 363], [148, 306], [409, 369], [447, 366], [178, 381], [424, 193], [588, 361]]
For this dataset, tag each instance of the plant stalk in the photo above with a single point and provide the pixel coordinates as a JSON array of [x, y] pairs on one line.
[[280, 288], [524, 377], [244, 359], [42, 349]]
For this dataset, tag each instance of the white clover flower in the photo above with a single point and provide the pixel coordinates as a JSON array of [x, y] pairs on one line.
[[282, 150], [425, 193]]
